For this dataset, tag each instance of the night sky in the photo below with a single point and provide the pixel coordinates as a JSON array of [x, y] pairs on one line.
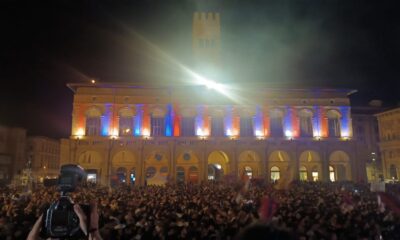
[[300, 43]]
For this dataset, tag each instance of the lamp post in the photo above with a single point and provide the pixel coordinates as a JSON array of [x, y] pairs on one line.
[[373, 165]]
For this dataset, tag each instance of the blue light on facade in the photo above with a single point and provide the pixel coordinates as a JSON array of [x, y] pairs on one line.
[[199, 121], [228, 121], [345, 121], [169, 121], [138, 119], [287, 122], [106, 120], [258, 122]]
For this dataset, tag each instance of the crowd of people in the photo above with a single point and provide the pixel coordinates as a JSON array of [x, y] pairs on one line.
[[216, 210]]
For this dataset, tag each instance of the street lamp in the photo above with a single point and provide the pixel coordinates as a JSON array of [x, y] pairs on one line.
[[373, 156]]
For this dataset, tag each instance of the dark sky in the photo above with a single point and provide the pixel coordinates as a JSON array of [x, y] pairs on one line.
[[301, 43]]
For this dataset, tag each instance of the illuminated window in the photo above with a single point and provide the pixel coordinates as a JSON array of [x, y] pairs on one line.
[[333, 123], [276, 123], [132, 176], [275, 173], [121, 175], [150, 172], [248, 171], [332, 174], [217, 127], [215, 171], [393, 171], [180, 174], [157, 126], [314, 174], [125, 126], [306, 128], [93, 126], [187, 127], [93, 122], [246, 127], [303, 173], [193, 174]]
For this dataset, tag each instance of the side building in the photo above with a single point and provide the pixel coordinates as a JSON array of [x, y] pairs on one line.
[[389, 135], [366, 134], [44, 156], [122, 133], [13, 159]]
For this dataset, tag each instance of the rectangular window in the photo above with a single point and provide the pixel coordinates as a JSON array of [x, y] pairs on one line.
[[306, 127], [187, 127], [125, 126], [333, 127], [276, 127], [157, 126], [93, 126], [217, 127], [246, 127]]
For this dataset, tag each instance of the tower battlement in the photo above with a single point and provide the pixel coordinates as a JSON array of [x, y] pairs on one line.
[[206, 38]]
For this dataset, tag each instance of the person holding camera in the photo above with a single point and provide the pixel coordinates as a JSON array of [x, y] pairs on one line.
[[92, 233]]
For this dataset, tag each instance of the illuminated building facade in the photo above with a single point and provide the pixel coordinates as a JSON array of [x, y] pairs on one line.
[[389, 135], [44, 154], [190, 133], [125, 133]]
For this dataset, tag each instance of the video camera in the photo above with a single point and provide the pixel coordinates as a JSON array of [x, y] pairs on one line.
[[60, 219]]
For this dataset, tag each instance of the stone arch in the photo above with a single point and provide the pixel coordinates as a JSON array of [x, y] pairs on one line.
[[122, 160], [276, 117], [334, 127], [312, 162], [218, 165], [157, 160], [306, 112], [250, 159], [281, 160], [276, 112], [93, 121], [125, 121], [193, 174], [126, 112], [340, 161], [275, 173], [333, 113], [305, 122], [246, 111], [157, 111], [187, 160], [90, 160], [93, 111], [156, 157]]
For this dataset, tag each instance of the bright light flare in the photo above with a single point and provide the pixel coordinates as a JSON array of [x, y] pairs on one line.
[[288, 133], [146, 132], [80, 133]]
